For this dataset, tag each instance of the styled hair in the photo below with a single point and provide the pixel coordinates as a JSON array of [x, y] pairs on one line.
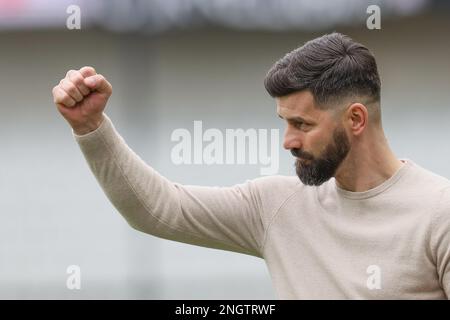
[[332, 67]]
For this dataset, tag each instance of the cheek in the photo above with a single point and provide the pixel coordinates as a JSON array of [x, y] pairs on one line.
[[316, 143]]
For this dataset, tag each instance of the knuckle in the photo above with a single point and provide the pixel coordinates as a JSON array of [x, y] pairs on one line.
[[68, 100], [70, 87], [88, 69], [77, 78], [69, 72], [57, 99], [63, 96]]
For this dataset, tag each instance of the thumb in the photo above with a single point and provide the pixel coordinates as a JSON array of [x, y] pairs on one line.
[[98, 83]]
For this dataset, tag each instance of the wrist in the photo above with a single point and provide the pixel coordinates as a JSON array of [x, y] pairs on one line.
[[87, 127]]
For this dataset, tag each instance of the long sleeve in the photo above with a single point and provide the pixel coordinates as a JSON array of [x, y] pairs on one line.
[[226, 218]]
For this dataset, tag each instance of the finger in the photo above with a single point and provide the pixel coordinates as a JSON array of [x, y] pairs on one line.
[[98, 83], [71, 89], [61, 97], [87, 72], [78, 80]]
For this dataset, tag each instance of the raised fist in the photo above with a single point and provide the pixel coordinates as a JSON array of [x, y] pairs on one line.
[[81, 98]]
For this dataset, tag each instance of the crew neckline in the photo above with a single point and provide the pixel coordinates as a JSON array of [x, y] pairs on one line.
[[407, 163]]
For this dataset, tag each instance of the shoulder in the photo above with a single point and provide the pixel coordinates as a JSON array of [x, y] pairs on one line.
[[426, 177], [435, 191], [273, 191]]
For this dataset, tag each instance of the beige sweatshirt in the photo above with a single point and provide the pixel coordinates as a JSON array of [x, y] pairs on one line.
[[390, 242]]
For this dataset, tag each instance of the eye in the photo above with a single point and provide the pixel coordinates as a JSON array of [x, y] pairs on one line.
[[300, 124]]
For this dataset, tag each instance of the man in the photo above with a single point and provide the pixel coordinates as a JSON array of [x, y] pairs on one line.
[[356, 223]]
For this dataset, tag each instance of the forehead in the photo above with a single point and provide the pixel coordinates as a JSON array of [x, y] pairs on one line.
[[299, 104]]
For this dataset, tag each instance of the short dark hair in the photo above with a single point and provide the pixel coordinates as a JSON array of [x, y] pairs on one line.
[[332, 67]]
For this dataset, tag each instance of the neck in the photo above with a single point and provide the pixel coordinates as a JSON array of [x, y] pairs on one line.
[[367, 165]]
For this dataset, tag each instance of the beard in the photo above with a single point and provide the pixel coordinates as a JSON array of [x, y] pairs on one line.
[[314, 171]]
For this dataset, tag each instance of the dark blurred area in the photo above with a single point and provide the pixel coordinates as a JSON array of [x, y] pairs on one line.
[[154, 16]]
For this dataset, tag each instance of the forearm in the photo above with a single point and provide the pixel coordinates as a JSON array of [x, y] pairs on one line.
[[125, 177]]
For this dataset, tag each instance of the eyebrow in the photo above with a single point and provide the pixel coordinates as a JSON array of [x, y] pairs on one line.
[[297, 119]]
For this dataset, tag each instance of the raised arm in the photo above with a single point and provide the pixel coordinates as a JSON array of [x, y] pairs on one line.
[[228, 218]]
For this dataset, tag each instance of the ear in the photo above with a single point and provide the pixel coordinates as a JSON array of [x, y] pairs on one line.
[[356, 117]]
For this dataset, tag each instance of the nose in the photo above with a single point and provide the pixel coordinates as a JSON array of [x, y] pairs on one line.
[[292, 140]]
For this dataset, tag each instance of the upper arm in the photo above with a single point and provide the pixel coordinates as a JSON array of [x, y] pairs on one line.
[[227, 218]]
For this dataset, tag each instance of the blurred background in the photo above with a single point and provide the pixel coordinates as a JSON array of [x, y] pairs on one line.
[[172, 62]]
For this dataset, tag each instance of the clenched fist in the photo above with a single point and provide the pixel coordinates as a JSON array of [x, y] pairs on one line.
[[81, 98]]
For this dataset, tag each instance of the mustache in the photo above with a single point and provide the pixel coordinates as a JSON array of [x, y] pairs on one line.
[[301, 154]]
